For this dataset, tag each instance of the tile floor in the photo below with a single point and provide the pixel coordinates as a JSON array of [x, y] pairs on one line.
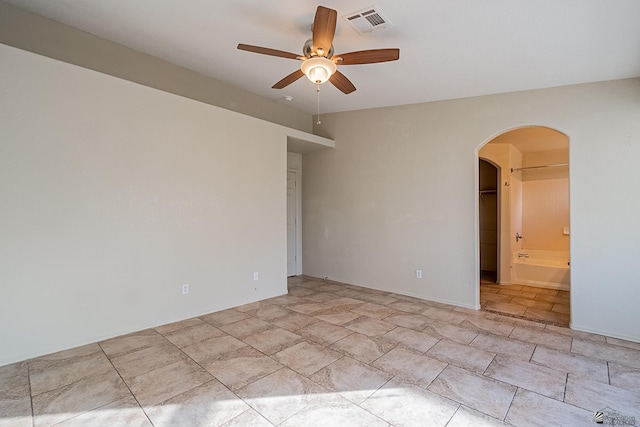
[[331, 354], [526, 302]]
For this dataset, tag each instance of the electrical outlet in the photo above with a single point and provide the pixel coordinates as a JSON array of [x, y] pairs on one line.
[[256, 276], [185, 289], [418, 274]]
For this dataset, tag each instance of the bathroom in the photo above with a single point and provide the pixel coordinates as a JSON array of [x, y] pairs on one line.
[[524, 224]]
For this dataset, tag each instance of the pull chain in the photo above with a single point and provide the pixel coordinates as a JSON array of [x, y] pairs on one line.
[[318, 92]]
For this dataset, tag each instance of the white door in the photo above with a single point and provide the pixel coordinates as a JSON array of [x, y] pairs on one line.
[[292, 238]]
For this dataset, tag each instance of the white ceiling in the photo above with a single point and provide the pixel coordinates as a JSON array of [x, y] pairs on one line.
[[448, 48]]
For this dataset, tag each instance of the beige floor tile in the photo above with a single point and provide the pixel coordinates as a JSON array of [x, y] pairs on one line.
[[192, 335], [403, 404], [342, 302], [309, 308], [504, 307], [622, 343], [324, 333], [408, 306], [375, 311], [490, 296], [613, 353], [469, 358], [301, 292], [15, 412], [124, 412], [416, 322], [516, 321], [353, 380], [213, 348], [146, 359], [49, 374], [449, 316], [14, 380], [334, 414], [595, 396], [552, 298], [561, 308], [439, 329], [563, 330], [318, 296], [363, 348], [538, 290], [410, 366], [624, 377], [175, 326], [542, 337], [547, 316], [465, 417], [269, 312], [249, 418], [582, 366], [295, 321], [410, 339], [280, 395], [340, 317], [526, 302], [368, 326], [517, 293], [273, 340], [532, 409], [127, 343], [503, 345], [286, 300], [244, 328], [483, 394], [225, 317], [241, 367], [44, 362], [250, 307], [480, 324], [77, 398], [536, 378], [154, 387], [307, 358], [378, 298], [209, 404]]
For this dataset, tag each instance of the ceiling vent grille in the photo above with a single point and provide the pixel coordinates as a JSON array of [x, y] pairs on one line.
[[367, 20]]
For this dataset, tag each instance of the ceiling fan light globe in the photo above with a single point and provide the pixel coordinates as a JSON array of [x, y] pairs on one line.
[[318, 69]]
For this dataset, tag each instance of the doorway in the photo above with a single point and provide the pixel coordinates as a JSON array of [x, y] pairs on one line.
[[488, 220], [528, 168], [293, 221]]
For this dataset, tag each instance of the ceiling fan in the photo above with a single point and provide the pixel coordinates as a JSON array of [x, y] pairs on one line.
[[319, 63]]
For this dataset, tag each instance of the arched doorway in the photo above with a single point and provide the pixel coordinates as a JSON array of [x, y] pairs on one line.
[[532, 276]]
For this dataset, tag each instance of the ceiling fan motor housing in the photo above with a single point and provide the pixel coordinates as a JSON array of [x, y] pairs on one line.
[[307, 50]]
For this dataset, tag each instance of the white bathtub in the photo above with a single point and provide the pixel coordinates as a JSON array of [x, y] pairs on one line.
[[546, 269]]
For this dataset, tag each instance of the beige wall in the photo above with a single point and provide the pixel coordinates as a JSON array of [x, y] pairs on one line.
[[545, 212], [44, 36], [114, 194], [398, 193]]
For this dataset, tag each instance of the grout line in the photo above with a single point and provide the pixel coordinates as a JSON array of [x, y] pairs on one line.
[[125, 383], [33, 418]]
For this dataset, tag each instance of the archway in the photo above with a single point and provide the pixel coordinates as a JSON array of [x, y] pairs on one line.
[[532, 268]]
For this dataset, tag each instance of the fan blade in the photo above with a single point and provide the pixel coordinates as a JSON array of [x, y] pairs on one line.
[[341, 81], [368, 56], [267, 51], [324, 28], [288, 80]]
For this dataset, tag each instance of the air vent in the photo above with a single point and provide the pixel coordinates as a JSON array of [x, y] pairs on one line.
[[367, 20]]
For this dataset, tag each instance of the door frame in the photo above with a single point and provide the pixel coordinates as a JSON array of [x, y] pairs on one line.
[[298, 175]]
